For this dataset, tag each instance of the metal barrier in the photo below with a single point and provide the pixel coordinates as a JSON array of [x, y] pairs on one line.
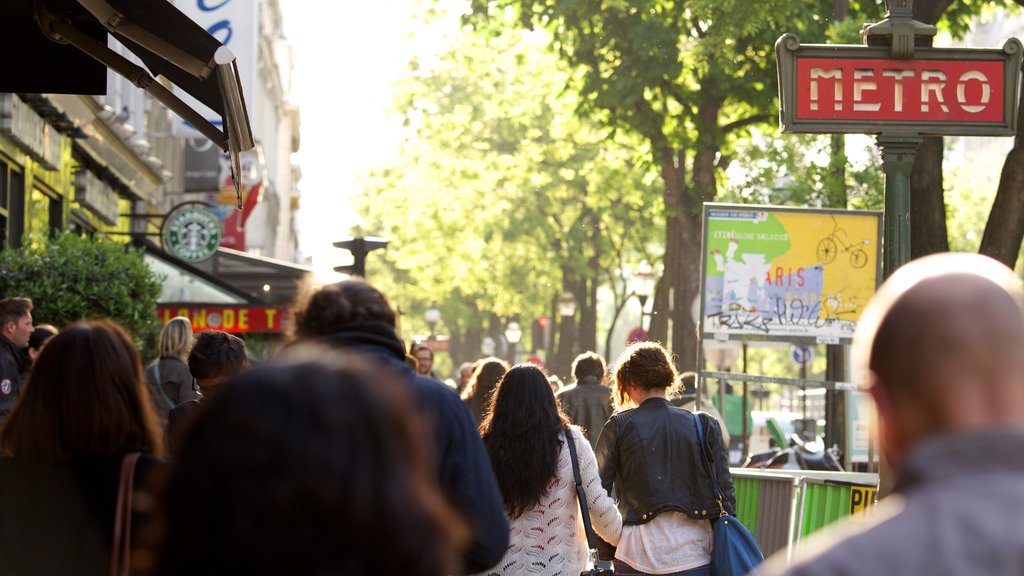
[[781, 507]]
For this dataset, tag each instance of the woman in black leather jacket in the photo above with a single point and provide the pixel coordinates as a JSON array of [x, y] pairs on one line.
[[649, 453]]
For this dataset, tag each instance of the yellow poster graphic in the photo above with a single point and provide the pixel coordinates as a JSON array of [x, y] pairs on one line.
[[787, 273]]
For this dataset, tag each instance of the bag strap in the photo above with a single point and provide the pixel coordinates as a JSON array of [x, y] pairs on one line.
[[708, 460], [120, 549], [160, 384], [581, 494]]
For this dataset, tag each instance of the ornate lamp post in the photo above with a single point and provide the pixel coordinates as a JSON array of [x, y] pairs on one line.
[[432, 316], [566, 309], [513, 334], [644, 280]]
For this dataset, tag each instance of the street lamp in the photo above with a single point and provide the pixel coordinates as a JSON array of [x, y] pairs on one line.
[[566, 304], [644, 280], [432, 316], [513, 334]]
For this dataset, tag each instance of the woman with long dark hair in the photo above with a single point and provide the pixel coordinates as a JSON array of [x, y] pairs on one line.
[[84, 408], [480, 388], [649, 453], [525, 436]]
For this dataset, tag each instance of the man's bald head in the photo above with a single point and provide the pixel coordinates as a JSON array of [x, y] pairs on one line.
[[942, 346]]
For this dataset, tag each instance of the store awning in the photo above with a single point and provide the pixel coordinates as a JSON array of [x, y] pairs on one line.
[[171, 45]]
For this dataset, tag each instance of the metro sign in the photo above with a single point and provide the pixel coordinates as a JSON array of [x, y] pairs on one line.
[[857, 89]]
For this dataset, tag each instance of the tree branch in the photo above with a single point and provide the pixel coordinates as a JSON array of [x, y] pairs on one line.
[[755, 119]]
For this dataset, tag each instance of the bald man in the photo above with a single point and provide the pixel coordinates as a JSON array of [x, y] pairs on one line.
[[941, 348]]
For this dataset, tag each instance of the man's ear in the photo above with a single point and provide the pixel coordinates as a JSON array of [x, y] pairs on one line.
[[888, 420]]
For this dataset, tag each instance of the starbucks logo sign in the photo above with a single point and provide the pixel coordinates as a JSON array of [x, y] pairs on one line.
[[192, 232]]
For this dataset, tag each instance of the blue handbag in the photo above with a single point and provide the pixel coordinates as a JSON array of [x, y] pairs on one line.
[[734, 551]]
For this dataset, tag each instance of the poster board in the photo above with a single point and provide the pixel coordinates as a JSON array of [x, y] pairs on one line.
[[800, 275]]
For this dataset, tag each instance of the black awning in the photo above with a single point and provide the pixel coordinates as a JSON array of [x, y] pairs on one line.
[[169, 43]]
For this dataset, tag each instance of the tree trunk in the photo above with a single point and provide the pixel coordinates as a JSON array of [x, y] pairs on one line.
[[927, 204], [1005, 227], [587, 333], [671, 163]]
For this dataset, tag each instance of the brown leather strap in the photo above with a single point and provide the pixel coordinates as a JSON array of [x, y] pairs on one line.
[[121, 547]]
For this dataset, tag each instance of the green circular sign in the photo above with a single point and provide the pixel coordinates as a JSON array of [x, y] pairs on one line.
[[192, 233]]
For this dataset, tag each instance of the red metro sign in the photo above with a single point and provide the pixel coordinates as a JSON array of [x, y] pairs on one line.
[[856, 89]]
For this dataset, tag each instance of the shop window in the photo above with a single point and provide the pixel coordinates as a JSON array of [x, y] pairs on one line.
[[15, 209], [45, 214]]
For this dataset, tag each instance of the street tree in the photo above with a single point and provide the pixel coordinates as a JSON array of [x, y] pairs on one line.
[[689, 78], [504, 198]]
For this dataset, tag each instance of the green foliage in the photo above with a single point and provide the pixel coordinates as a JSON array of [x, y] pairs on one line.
[[795, 170], [72, 278], [503, 195]]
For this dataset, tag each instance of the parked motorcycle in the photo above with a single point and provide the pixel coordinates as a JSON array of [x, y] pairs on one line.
[[801, 454]]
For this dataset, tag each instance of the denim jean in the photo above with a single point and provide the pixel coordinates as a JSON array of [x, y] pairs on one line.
[[623, 569]]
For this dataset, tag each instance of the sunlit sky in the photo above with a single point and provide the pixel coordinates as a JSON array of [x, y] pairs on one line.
[[347, 56]]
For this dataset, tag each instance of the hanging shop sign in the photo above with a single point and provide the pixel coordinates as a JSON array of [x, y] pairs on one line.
[[192, 232], [787, 274], [864, 90]]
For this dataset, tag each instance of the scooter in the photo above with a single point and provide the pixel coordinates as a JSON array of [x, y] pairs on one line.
[[800, 455]]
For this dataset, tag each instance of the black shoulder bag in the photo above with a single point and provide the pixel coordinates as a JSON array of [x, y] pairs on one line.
[[581, 496], [734, 550]]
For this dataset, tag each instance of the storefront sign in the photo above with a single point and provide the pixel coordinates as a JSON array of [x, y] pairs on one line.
[[859, 89], [192, 232], [787, 274], [235, 319]]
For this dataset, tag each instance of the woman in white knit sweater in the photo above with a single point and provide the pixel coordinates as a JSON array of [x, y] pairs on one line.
[[524, 434]]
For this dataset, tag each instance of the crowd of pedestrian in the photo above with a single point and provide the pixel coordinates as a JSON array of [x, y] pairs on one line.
[[343, 454]]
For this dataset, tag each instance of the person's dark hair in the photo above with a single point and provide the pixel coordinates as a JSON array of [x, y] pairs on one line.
[[85, 396], [588, 365], [40, 334], [217, 353], [643, 364], [14, 308], [315, 464], [416, 347], [337, 305], [521, 433]]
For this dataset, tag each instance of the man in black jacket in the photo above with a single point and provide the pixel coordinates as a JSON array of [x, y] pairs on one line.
[[588, 402], [354, 316], [15, 330]]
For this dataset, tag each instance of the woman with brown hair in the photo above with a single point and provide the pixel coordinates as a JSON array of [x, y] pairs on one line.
[[478, 392], [84, 408], [525, 434], [649, 453], [318, 464]]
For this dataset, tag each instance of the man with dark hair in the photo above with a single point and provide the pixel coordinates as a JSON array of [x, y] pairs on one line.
[[354, 316], [15, 330], [424, 361], [215, 358], [939, 349], [588, 402]]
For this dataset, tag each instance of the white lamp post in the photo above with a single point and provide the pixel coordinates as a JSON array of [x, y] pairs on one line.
[[432, 316]]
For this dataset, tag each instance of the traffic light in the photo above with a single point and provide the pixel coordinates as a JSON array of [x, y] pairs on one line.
[[359, 247], [540, 333]]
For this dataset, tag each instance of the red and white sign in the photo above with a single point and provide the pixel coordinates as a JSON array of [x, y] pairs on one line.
[[900, 90], [235, 319]]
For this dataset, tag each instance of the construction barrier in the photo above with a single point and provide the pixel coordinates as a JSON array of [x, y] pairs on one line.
[[781, 507]]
